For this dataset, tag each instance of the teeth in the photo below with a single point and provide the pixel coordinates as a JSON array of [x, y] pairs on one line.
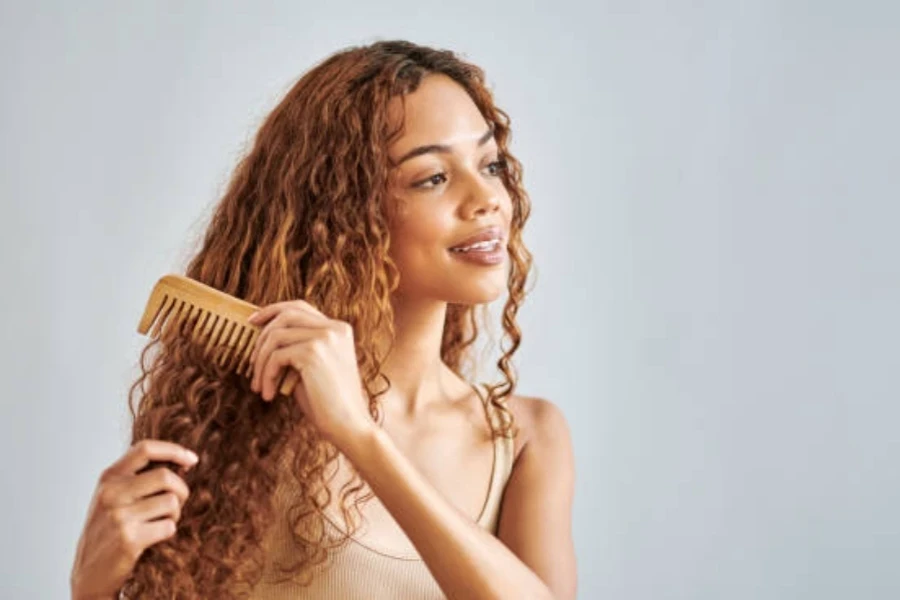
[[487, 245]]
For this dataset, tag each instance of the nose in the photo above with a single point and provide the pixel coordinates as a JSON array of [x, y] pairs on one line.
[[482, 196]]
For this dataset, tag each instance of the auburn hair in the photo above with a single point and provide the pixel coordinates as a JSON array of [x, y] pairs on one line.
[[304, 216]]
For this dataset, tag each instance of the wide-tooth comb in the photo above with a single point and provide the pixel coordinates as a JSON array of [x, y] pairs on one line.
[[220, 323]]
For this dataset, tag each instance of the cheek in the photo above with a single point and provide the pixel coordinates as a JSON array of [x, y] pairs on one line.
[[419, 236]]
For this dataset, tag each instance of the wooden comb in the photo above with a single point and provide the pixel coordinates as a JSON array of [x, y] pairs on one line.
[[220, 323]]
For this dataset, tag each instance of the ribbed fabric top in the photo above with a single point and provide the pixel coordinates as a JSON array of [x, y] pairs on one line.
[[367, 570]]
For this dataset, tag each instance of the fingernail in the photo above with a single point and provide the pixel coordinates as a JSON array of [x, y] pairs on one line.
[[253, 316], [192, 456]]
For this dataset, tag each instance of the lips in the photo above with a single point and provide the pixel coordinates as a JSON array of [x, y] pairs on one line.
[[489, 238]]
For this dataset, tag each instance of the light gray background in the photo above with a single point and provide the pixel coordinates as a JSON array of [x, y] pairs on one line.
[[715, 229]]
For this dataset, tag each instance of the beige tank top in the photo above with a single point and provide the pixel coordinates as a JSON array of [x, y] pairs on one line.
[[366, 570]]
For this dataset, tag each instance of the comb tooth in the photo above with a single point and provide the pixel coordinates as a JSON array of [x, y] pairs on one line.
[[208, 328], [244, 353], [289, 382], [246, 367], [214, 330], [198, 332], [246, 346], [167, 292], [193, 317], [178, 318], [233, 343], [238, 348], [151, 310], [212, 344], [228, 344], [162, 315], [155, 305], [222, 335], [172, 319], [184, 318]]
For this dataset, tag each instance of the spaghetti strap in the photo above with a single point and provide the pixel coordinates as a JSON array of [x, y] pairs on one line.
[[500, 473]]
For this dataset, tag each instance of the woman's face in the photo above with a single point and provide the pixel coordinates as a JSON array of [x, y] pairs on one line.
[[446, 187]]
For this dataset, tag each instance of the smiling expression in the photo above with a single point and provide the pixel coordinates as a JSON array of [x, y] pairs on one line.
[[446, 186]]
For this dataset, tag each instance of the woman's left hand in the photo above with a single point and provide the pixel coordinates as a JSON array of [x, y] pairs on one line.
[[296, 335]]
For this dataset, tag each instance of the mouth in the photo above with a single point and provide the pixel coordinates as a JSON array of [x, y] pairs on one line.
[[486, 246], [487, 253]]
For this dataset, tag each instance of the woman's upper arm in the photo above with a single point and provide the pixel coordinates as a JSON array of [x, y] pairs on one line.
[[536, 515]]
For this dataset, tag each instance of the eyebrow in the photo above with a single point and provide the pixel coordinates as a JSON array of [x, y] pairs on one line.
[[442, 148]]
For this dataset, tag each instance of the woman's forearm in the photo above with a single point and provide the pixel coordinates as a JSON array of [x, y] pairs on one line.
[[467, 561]]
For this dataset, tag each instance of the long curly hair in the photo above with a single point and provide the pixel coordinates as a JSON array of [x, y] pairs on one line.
[[304, 216]]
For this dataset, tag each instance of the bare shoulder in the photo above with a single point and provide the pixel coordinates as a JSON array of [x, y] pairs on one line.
[[539, 420]]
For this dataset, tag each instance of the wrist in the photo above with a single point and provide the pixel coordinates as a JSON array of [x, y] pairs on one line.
[[360, 444]]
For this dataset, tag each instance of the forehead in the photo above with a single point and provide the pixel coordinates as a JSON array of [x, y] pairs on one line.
[[440, 111]]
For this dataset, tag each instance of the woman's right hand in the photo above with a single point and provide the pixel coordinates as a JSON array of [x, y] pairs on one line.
[[132, 509]]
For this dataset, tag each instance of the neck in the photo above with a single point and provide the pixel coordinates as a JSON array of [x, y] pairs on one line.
[[419, 378]]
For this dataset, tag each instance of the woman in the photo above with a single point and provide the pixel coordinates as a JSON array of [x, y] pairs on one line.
[[381, 192]]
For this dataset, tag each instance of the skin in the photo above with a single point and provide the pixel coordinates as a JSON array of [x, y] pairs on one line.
[[129, 512], [431, 414]]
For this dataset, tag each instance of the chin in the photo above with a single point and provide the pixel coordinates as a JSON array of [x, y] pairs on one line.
[[454, 285], [475, 291]]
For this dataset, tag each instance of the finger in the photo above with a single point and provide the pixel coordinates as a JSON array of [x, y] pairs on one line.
[[268, 312], [140, 454], [156, 481], [276, 340], [154, 532], [278, 360], [289, 317], [155, 507]]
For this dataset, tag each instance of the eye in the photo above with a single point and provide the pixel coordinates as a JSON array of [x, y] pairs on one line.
[[496, 167], [434, 180]]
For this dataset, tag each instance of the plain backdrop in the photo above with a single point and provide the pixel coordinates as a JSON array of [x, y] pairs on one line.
[[715, 231]]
